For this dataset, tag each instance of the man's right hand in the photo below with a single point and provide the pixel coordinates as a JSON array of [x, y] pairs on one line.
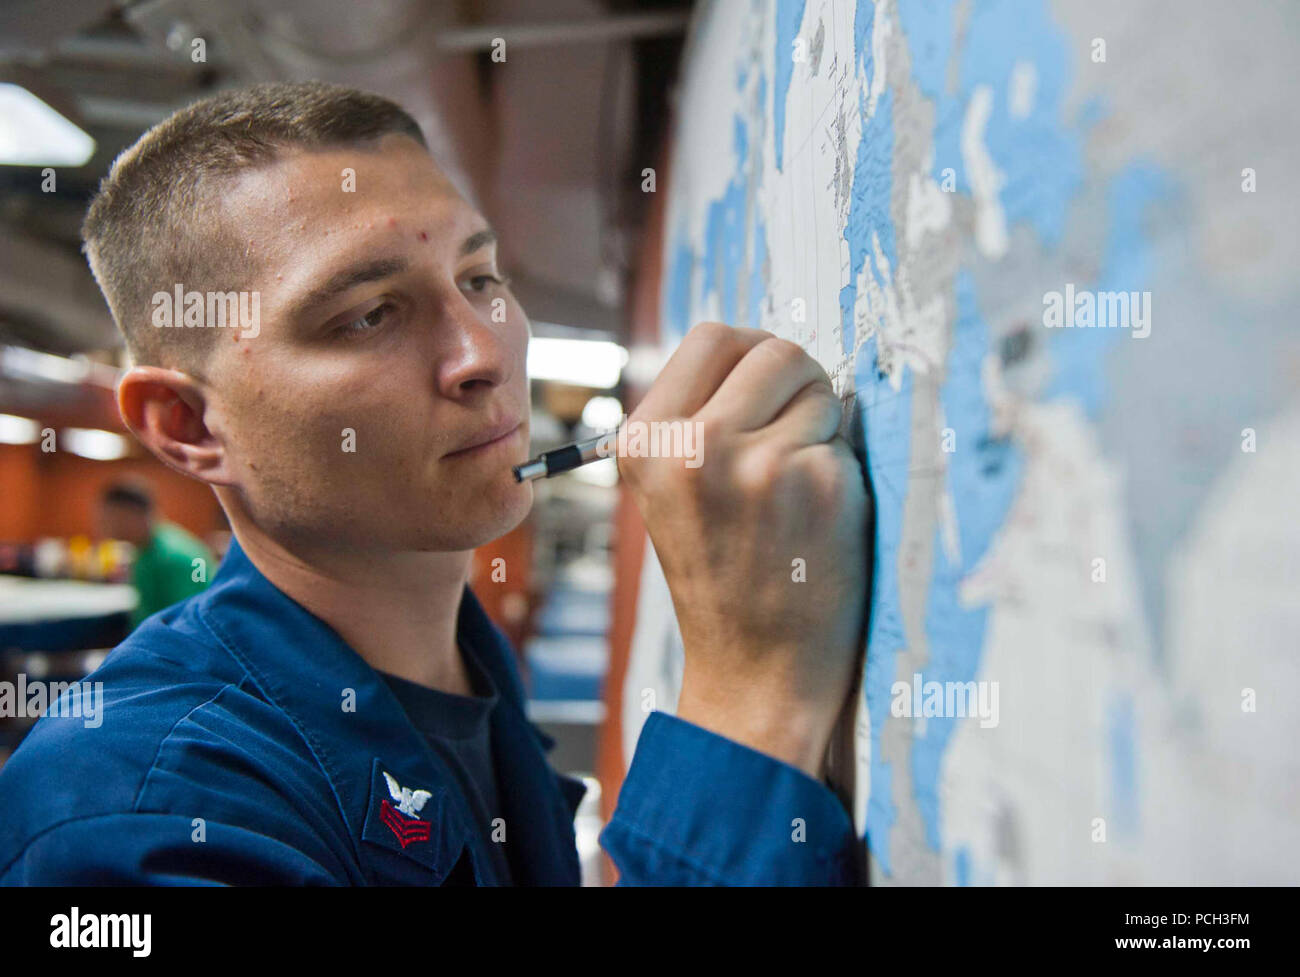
[[763, 545]]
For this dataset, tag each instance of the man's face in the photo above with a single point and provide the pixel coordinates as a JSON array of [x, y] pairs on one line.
[[384, 398]]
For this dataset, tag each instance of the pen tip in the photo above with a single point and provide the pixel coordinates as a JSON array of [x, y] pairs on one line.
[[530, 470]]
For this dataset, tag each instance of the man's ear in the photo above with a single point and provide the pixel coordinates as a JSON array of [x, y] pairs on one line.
[[165, 410]]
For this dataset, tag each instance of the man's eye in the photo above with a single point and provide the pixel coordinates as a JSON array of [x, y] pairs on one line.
[[479, 283], [368, 322]]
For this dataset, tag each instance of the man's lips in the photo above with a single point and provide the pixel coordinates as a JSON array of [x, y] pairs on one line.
[[488, 437]]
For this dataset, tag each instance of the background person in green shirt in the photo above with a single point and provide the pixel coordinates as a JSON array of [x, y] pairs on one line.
[[165, 569]]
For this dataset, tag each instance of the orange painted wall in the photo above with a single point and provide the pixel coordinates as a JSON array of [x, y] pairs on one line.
[[20, 492], [55, 493]]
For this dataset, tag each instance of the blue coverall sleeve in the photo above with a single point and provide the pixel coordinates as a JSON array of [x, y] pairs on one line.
[[159, 849], [700, 809]]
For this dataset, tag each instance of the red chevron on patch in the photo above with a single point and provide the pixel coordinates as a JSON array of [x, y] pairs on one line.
[[406, 829]]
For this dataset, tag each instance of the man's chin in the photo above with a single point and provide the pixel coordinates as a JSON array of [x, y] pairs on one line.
[[484, 518]]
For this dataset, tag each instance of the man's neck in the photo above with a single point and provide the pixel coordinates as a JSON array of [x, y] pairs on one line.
[[397, 610]]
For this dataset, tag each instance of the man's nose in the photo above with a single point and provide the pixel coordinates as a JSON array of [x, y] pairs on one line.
[[477, 354]]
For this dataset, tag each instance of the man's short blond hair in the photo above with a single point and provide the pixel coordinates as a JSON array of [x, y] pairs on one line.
[[154, 222]]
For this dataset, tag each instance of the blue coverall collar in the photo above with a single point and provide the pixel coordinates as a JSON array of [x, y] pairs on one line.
[[358, 731]]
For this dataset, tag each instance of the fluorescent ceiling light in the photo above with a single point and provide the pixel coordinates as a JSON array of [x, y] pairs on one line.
[[581, 362], [90, 442], [602, 413], [33, 134], [29, 364], [18, 430]]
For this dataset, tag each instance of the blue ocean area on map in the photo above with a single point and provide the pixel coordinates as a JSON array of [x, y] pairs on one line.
[[789, 15], [983, 475], [724, 234], [1040, 158], [1126, 266]]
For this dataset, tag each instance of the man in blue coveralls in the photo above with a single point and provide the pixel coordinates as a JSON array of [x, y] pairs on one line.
[[336, 708]]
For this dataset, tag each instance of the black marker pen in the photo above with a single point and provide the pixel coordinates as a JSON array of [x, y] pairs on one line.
[[566, 459]]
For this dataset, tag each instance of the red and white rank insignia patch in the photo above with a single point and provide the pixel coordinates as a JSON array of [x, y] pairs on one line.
[[402, 820]]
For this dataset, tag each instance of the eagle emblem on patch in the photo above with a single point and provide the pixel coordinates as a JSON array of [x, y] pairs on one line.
[[402, 820]]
